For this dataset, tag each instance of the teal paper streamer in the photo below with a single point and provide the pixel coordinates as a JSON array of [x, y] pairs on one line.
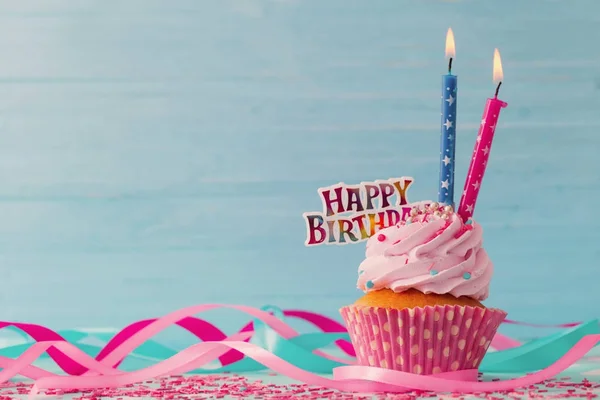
[[148, 349], [537, 354], [317, 340], [72, 335], [298, 351]]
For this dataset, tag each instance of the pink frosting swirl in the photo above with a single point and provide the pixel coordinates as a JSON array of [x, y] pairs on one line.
[[433, 252]]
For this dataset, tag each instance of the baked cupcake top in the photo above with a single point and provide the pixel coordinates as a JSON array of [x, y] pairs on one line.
[[433, 252]]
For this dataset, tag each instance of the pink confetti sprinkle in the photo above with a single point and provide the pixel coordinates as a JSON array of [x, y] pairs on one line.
[[239, 387]]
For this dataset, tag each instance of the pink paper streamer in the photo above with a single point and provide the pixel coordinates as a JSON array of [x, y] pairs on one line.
[[203, 330], [99, 373], [350, 378], [567, 325], [206, 331], [137, 333]]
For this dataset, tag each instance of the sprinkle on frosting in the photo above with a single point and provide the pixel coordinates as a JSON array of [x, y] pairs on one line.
[[432, 235]]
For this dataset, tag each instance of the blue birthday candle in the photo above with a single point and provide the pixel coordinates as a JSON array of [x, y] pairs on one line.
[[448, 130]]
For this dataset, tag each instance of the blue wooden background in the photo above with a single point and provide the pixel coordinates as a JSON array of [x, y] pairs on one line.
[[159, 154]]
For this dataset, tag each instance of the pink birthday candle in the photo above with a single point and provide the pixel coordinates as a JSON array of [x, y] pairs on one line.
[[483, 145]]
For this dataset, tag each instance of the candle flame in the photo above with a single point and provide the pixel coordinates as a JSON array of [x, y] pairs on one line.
[[498, 73], [450, 47]]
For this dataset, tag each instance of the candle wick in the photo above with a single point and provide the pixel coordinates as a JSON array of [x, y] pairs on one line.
[[498, 89], [450, 66]]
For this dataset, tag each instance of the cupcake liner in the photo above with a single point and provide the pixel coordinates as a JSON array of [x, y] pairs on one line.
[[424, 341]]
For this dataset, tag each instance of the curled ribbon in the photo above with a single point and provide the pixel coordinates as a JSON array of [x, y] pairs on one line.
[[276, 346]]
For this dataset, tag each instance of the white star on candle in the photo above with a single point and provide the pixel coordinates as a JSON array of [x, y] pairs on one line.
[[476, 185], [470, 208], [448, 124], [478, 138], [485, 150], [446, 160], [492, 127], [482, 122], [445, 184], [450, 100]]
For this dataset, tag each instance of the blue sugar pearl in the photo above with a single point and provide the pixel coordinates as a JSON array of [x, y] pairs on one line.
[[467, 275], [433, 272], [469, 222], [370, 285]]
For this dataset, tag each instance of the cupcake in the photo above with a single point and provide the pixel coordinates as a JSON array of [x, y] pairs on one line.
[[424, 280]]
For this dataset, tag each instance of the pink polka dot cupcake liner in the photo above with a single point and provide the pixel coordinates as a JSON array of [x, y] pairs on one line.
[[424, 341]]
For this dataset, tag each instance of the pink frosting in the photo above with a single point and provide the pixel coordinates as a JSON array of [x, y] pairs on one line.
[[434, 254]]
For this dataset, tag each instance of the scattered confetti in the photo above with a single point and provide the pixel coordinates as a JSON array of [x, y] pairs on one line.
[[234, 386]]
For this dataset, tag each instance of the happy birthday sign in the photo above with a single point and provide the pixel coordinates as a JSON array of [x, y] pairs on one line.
[[354, 213]]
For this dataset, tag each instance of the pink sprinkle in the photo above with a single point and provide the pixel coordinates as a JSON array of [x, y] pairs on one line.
[[381, 237]]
